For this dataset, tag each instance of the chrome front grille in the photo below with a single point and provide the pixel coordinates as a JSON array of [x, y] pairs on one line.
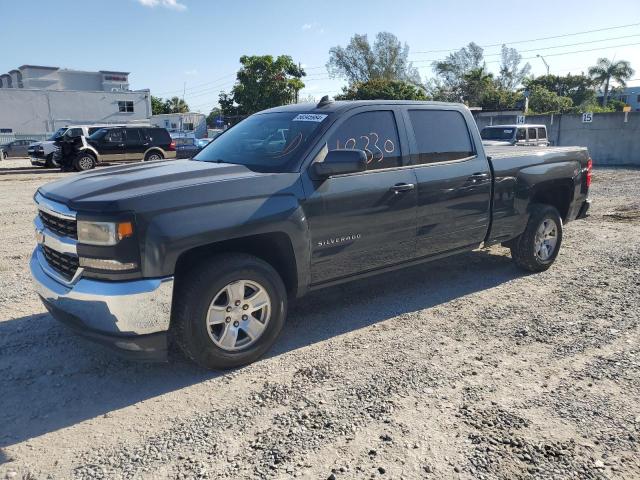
[[57, 234], [63, 263], [62, 226]]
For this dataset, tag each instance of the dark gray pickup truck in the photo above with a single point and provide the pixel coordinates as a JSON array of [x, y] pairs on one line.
[[206, 253]]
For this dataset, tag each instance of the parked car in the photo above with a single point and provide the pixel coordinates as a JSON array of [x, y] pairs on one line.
[[42, 153], [16, 148], [522, 135], [208, 252], [186, 147], [121, 144]]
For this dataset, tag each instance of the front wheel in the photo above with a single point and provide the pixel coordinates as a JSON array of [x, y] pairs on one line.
[[537, 247], [229, 311], [84, 162], [48, 163]]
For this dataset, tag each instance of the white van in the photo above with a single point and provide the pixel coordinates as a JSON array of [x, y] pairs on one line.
[[525, 134]]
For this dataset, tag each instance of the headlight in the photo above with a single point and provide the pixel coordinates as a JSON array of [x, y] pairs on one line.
[[103, 233]]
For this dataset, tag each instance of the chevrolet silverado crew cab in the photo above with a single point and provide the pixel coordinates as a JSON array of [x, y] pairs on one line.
[[117, 143], [207, 253], [523, 135]]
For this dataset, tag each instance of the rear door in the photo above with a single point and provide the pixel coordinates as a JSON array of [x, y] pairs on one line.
[[542, 136], [532, 136], [135, 144], [367, 220], [454, 181]]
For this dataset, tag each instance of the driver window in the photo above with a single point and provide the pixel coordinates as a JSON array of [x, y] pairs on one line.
[[522, 135], [373, 132], [114, 136]]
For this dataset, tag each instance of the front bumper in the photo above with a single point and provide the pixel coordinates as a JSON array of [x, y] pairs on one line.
[[37, 161], [131, 317]]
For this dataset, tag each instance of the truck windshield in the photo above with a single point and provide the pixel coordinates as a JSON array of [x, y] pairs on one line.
[[266, 142], [497, 133]]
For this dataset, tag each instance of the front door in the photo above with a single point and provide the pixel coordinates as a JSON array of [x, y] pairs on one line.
[[454, 181], [363, 221], [111, 147]]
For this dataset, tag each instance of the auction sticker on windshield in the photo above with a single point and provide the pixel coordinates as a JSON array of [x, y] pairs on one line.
[[309, 117]]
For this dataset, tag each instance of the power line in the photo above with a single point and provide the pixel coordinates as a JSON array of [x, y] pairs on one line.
[[198, 85], [536, 39], [549, 48]]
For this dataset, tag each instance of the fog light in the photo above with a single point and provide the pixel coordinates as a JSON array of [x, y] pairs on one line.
[[104, 264]]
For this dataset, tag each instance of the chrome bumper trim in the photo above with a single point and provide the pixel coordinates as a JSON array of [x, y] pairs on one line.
[[135, 307], [44, 236], [54, 208]]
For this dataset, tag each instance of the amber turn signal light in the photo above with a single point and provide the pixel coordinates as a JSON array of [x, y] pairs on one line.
[[125, 230]]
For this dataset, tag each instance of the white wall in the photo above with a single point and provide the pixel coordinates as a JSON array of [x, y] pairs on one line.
[[40, 111]]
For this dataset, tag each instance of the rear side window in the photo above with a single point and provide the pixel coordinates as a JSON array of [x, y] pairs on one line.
[[441, 135], [542, 133], [133, 136], [373, 132], [532, 134], [158, 136]]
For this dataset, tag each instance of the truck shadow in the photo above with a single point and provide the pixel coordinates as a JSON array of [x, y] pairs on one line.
[[51, 379]]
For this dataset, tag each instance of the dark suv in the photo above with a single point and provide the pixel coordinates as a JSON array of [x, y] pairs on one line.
[[117, 144]]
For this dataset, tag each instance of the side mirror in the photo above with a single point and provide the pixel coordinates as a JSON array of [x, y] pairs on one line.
[[340, 162]]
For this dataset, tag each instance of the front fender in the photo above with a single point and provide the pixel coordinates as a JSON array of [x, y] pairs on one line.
[[172, 233]]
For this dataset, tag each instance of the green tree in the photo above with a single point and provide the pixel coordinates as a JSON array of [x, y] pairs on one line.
[[542, 100], [456, 65], [511, 75], [176, 105], [475, 84], [262, 82], [497, 98], [579, 88], [158, 106], [359, 61], [380, 89], [605, 70]]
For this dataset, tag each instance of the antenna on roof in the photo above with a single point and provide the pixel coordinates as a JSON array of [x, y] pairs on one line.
[[326, 100]]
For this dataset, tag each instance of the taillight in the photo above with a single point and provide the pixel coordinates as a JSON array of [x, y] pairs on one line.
[[589, 170], [172, 146]]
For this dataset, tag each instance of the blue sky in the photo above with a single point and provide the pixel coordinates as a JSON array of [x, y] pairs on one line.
[[164, 43]]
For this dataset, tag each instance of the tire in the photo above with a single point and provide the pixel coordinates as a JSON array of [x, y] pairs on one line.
[[206, 294], [84, 162], [537, 247], [153, 156], [48, 163]]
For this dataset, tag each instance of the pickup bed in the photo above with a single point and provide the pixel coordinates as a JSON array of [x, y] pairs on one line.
[[206, 253]]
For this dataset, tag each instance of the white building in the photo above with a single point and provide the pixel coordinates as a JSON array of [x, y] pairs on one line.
[[37, 100], [190, 122]]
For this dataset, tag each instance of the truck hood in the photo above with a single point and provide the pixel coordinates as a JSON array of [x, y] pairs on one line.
[[113, 188]]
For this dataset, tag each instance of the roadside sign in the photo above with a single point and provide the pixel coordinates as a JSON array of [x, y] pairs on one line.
[[520, 119], [587, 117], [626, 108]]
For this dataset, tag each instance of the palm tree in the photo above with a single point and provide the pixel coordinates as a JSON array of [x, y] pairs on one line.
[[606, 70], [177, 105]]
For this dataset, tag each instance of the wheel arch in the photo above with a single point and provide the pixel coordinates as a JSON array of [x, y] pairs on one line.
[[557, 193], [152, 150], [275, 248]]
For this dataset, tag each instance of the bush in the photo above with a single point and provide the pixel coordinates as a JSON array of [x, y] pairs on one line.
[[380, 89]]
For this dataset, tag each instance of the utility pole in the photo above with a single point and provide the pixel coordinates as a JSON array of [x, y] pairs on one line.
[[543, 61]]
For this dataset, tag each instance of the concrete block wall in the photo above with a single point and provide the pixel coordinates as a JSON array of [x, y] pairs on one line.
[[612, 138]]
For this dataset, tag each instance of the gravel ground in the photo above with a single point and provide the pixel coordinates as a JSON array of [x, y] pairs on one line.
[[464, 368]]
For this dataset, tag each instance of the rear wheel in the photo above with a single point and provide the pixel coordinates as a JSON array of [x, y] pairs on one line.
[[152, 156], [537, 247], [84, 162], [229, 311]]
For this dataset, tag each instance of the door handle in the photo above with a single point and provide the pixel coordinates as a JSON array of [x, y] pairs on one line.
[[476, 177], [121, 145], [402, 187]]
